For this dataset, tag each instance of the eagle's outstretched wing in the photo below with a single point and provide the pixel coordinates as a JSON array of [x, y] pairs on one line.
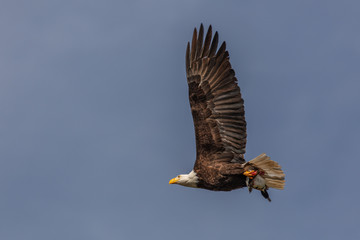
[[215, 99]]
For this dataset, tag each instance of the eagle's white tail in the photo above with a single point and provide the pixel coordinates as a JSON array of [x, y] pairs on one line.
[[274, 176]]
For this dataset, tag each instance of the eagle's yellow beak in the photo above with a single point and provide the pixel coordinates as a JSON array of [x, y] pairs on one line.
[[174, 180]]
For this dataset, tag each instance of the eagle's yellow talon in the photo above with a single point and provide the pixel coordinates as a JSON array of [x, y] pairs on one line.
[[250, 174]]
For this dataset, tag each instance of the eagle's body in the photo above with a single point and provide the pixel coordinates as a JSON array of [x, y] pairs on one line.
[[220, 127]]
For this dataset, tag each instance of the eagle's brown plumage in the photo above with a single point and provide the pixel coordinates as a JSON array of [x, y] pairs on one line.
[[218, 113], [220, 127]]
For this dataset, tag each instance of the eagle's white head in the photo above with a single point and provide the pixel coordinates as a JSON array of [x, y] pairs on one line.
[[187, 180]]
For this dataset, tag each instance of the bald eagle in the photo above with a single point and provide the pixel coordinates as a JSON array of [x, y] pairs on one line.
[[220, 127]]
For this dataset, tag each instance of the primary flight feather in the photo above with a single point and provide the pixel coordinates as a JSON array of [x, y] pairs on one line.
[[220, 127]]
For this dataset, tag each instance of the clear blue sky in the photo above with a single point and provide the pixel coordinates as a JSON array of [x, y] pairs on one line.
[[95, 119]]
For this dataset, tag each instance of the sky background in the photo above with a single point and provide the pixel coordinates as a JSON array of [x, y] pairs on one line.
[[95, 119]]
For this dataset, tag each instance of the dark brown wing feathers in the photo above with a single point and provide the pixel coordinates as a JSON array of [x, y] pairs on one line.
[[216, 103]]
